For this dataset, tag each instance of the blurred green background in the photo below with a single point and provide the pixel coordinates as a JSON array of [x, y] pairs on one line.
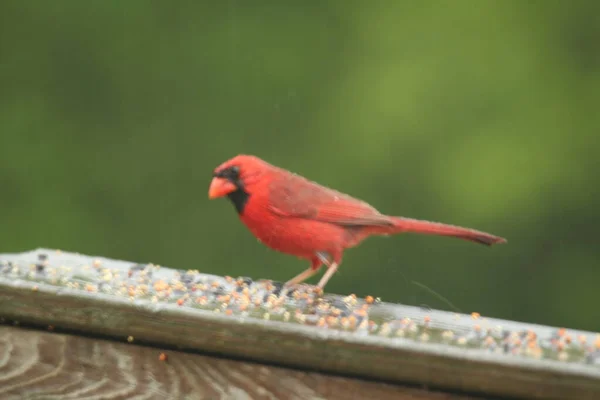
[[484, 114]]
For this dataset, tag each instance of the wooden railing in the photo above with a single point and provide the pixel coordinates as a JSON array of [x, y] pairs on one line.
[[124, 328]]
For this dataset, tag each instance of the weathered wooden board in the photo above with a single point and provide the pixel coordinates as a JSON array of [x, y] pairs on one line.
[[258, 321], [41, 365]]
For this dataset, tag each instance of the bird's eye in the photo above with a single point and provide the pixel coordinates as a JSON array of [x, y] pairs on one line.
[[231, 173]]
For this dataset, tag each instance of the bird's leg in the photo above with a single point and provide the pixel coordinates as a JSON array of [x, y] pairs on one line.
[[331, 268], [304, 275]]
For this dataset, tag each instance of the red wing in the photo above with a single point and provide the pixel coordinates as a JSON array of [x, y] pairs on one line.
[[294, 196]]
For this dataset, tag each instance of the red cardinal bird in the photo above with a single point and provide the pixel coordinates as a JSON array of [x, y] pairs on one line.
[[296, 216]]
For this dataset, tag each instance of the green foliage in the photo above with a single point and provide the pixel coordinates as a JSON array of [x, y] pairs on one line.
[[483, 114]]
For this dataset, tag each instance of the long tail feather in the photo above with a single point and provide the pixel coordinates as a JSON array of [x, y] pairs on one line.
[[436, 228]]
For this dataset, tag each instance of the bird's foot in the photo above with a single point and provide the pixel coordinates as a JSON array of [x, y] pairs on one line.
[[290, 287]]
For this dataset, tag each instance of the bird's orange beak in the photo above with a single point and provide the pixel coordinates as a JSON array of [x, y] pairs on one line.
[[220, 187]]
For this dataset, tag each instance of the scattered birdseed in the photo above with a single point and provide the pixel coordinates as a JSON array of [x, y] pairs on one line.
[[447, 335], [272, 302], [161, 285]]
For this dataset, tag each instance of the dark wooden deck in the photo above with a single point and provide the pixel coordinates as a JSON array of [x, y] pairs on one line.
[[45, 365], [238, 338]]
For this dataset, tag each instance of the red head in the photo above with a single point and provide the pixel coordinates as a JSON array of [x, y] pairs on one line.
[[235, 177]]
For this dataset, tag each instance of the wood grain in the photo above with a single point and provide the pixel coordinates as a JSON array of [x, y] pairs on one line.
[[42, 365]]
